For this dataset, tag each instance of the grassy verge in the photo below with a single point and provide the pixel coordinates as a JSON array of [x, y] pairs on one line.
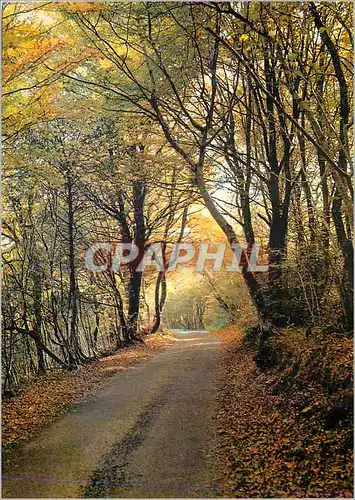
[[286, 430], [49, 396]]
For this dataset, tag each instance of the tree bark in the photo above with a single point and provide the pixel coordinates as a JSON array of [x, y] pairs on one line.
[[37, 305], [73, 305], [135, 282]]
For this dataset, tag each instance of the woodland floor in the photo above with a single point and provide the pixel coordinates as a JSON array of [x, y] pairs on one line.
[[51, 395], [276, 437]]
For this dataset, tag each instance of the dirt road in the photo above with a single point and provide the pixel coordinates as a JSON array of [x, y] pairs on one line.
[[148, 432]]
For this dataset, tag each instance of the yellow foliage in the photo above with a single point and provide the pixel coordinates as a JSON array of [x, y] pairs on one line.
[[84, 6], [33, 56]]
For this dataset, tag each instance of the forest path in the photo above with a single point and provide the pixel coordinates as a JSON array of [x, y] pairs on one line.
[[148, 432]]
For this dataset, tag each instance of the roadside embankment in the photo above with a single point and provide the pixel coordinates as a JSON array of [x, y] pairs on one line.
[[286, 429]]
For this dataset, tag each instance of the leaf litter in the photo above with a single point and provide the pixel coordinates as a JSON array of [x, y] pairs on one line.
[[286, 431], [51, 395]]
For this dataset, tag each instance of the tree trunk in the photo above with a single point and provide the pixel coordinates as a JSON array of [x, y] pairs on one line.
[[37, 305], [249, 278], [160, 285], [346, 246], [75, 354], [135, 282], [160, 298], [134, 304]]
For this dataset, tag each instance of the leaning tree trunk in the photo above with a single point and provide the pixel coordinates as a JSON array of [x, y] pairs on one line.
[[249, 277]]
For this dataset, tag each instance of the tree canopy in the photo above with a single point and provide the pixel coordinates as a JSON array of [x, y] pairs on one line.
[[172, 122]]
